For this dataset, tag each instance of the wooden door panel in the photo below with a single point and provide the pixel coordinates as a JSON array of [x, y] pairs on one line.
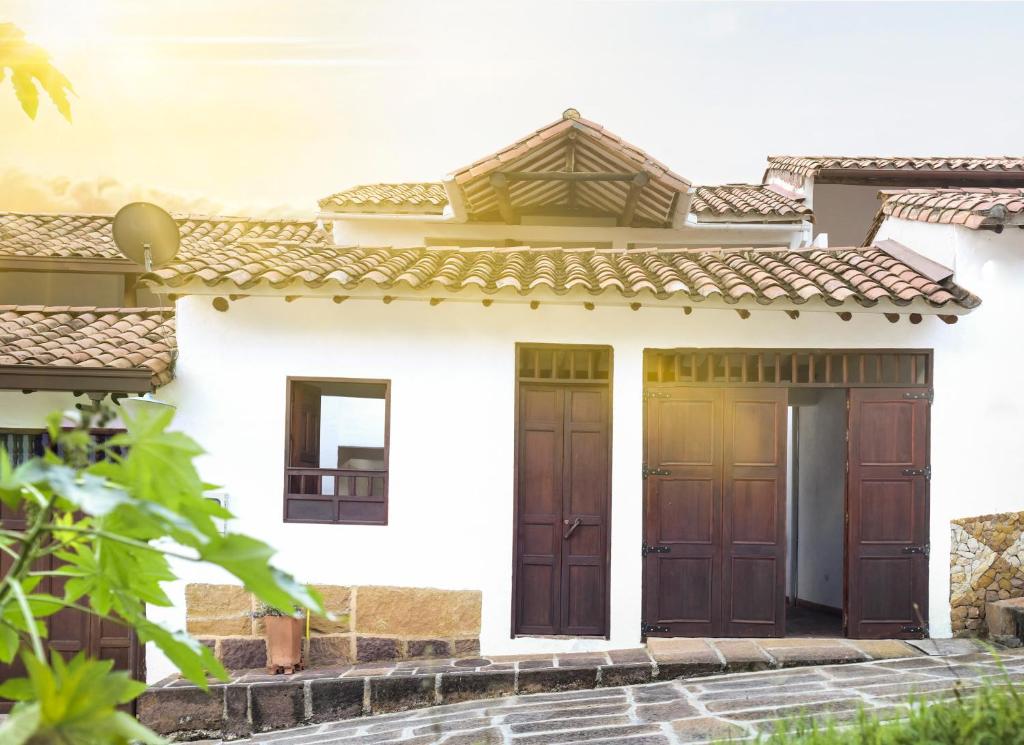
[[752, 593], [538, 540], [585, 511], [686, 511], [754, 508], [682, 526], [686, 595], [887, 505]]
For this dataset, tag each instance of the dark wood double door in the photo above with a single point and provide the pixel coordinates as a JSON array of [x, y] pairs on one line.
[[562, 510], [715, 512]]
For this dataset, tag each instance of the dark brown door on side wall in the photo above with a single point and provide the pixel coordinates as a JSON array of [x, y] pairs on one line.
[[887, 505], [714, 516], [561, 542]]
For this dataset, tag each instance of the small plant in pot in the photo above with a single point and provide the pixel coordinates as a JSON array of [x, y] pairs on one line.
[[283, 632]]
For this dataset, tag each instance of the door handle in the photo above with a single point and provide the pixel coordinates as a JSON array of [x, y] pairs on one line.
[[575, 524]]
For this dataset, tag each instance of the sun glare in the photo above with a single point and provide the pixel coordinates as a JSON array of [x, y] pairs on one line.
[[66, 28]]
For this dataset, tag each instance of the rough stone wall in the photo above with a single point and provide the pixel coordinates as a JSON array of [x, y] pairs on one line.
[[369, 624], [985, 565]]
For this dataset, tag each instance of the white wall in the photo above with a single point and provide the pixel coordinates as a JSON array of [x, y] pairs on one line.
[[821, 499]]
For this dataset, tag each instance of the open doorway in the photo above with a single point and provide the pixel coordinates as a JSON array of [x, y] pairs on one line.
[[816, 510]]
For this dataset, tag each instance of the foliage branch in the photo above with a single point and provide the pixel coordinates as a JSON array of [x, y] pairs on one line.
[[108, 520]]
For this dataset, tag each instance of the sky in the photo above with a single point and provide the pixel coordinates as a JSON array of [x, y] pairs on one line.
[[260, 106]]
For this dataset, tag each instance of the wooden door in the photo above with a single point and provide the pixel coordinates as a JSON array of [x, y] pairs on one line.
[[754, 512], [887, 514], [561, 537], [714, 515]]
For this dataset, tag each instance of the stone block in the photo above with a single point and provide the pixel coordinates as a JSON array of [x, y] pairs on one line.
[[416, 612], [372, 649], [185, 710], [330, 650], [467, 647], [241, 653], [338, 602], [335, 699], [401, 693], [236, 712], [473, 685], [688, 669], [885, 649], [219, 626], [277, 705], [626, 674], [204, 601], [557, 679], [1002, 617], [707, 729], [428, 648]]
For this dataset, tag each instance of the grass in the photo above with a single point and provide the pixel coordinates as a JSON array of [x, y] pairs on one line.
[[992, 714]]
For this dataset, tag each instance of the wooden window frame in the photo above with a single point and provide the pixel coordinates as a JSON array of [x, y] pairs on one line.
[[335, 472]]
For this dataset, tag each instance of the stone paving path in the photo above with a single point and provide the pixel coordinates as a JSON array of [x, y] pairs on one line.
[[739, 706]]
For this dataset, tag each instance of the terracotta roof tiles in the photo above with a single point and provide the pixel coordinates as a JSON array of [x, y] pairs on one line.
[[57, 236], [971, 207], [119, 338], [809, 165], [862, 275], [427, 198], [746, 201]]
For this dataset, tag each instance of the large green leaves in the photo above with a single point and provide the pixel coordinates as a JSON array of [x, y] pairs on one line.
[[29, 66], [107, 520], [74, 702]]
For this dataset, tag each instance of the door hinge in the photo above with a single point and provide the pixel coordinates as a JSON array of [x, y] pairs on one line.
[[654, 549], [928, 395], [648, 628], [926, 472], [924, 550], [656, 394], [655, 471]]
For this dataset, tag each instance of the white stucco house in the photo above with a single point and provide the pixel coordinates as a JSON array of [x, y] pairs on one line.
[[617, 404]]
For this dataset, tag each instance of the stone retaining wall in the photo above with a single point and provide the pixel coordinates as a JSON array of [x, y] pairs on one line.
[[370, 623], [985, 565]]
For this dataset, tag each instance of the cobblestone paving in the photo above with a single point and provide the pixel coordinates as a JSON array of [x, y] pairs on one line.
[[739, 706]]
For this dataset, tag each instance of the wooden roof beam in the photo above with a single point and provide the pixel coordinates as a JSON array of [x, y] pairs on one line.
[[569, 176], [499, 182], [629, 209]]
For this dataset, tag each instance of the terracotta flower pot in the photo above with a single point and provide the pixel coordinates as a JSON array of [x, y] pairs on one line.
[[284, 644]]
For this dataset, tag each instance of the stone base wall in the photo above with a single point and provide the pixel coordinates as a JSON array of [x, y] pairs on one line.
[[985, 565], [369, 624]]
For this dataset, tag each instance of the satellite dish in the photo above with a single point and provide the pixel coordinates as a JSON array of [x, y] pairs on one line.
[[146, 234]]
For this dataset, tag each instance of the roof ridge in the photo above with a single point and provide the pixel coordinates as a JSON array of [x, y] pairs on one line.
[[175, 214]]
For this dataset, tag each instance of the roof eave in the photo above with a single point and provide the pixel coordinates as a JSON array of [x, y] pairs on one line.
[[30, 378]]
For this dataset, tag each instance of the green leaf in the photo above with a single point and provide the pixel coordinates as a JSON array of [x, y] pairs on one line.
[[9, 643], [249, 560], [21, 724], [16, 689], [30, 63]]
